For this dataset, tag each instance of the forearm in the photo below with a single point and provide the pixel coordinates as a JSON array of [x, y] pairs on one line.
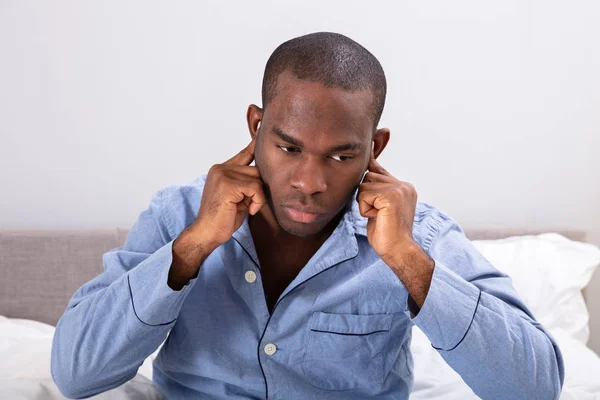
[[112, 324], [100, 343], [516, 361], [414, 268], [190, 250], [498, 350], [478, 323]]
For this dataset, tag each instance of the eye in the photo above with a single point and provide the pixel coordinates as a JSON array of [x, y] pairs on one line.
[[292, 149], [287, 149], [344, 158]]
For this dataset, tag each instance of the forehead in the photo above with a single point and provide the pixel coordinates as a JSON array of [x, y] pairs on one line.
[[310, 107]]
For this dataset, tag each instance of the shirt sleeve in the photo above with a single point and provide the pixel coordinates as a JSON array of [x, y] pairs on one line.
[[115, 321], [480, 326]]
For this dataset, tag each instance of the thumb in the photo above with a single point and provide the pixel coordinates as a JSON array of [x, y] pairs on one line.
[[254, 208]]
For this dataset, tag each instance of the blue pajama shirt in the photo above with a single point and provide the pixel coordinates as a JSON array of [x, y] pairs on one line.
[[340, 330]]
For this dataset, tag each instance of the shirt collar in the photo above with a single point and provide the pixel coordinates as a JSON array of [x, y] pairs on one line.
[[351, 224]]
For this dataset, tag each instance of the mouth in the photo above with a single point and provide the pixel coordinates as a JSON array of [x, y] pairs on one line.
[[301, 215]]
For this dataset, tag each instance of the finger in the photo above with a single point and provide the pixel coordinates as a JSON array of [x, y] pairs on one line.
[[371, 187], [256, 196], [243, 171], [366, 201], [374, 166], [244, 157], [371, 177]]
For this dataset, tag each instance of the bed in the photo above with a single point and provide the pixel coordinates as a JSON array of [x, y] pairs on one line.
[[41, 269]]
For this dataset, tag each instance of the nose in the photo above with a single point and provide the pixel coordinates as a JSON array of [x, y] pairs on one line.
[[309, 176]]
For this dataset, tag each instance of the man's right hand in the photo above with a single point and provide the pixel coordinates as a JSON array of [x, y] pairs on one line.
[[232, 189]]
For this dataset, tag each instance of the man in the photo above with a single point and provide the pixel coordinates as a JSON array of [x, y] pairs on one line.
[[300, 277]]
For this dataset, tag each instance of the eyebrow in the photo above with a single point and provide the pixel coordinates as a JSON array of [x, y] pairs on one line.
[[296, 142]]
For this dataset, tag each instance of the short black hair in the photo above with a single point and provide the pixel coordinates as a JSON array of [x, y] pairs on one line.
[[329, 58]]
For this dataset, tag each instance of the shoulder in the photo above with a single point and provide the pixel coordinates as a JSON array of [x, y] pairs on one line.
[[426, 212], [179, 203], [176, 193], [431, 223]]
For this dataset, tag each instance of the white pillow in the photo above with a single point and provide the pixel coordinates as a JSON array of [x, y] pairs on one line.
[[548, 271]]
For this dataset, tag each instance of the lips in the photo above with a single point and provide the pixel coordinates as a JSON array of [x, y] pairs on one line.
[[304, 215]]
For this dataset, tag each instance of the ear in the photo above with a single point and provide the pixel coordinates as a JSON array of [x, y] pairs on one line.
[[254, 118], [380, 140]]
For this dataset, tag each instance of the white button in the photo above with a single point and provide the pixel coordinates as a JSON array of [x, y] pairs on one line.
[[270, 349], [250, 276]]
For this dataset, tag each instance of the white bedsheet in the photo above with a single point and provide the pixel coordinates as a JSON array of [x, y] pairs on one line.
[[25, 348]]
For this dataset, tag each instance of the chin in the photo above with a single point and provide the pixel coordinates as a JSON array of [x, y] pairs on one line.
[[298, 228], [304, 231]]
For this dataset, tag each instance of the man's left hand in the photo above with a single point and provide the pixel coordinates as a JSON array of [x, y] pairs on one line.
[[390, 206]]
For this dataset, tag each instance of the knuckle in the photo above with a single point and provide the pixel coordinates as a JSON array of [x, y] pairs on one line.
[[407, 187], [257, 185], [216, 169]]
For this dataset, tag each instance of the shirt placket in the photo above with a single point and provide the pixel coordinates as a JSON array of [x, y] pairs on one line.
[[339, 247]]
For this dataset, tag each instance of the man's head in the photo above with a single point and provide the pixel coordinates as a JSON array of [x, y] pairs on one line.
[[320, 91]]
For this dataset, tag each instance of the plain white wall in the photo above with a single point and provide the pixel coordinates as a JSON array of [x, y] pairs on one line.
[[494, 107]]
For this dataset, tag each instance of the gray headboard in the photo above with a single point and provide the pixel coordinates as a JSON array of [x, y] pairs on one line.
[[41, 269]]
